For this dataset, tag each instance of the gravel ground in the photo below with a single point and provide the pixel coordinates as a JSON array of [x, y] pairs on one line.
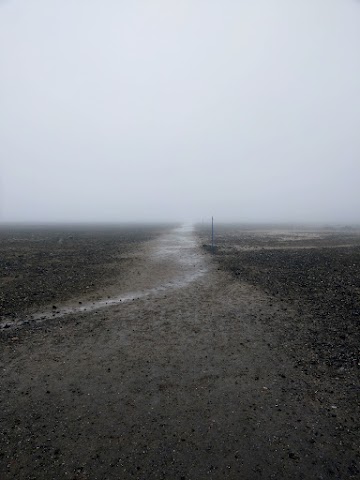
[[317, 271], [315, 275], [41, 266], [206, 375]]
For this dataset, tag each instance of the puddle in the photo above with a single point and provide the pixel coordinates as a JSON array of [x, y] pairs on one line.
[[178, 247]]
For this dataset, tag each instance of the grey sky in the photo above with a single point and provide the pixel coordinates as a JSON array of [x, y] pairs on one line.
[[165, 109]]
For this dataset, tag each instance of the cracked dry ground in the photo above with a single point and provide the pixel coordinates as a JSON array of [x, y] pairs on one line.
[[190, 383]]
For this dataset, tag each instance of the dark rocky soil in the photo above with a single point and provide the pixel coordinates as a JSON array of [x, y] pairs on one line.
[[324, 282], [315, 275], [241, 373], [316, 271], [42, 266]]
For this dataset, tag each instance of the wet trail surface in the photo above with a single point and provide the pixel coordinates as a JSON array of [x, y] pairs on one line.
[[175, 254], [192, 380]]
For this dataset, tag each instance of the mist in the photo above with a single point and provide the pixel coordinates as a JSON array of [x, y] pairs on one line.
[[176, 111]]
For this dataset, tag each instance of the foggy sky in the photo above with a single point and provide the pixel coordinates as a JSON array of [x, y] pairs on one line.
[[178, 110]]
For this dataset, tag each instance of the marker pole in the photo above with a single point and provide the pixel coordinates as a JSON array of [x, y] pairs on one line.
[[212, 234]]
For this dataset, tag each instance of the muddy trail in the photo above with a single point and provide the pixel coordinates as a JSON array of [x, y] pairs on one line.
[[182, 374]]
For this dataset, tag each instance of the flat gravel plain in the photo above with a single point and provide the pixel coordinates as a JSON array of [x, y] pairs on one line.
[[237, 364], [43, 265], [314, 273], [316, 270]]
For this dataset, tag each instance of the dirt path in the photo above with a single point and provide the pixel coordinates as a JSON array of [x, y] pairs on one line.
[[185, 378]]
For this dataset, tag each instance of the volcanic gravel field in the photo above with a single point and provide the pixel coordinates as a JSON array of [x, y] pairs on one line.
[[140, 354], [46, 265]]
